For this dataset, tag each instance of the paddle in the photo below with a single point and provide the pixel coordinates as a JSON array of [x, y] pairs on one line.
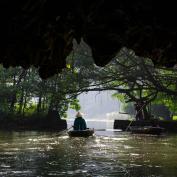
[[63, 131], [69, 128], [128, 127], [100, 129]]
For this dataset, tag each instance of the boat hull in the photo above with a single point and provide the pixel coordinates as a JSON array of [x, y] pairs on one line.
[[147, 130], [81, 133]]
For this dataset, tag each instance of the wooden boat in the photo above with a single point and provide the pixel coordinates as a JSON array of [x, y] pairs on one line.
[[81, 133], [147, 130]]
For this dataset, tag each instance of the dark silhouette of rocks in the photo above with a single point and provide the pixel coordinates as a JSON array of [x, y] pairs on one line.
[[40, 33]]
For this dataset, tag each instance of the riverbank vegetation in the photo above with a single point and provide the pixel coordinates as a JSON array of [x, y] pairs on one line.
[[134, 79]]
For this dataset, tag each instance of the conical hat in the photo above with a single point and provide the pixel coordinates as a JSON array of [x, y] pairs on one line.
[[78, 114]]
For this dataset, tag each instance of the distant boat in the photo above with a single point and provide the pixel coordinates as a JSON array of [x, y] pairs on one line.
[[147, 130], [81, 133]]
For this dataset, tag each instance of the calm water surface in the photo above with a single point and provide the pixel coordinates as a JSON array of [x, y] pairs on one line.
[[109, 153]]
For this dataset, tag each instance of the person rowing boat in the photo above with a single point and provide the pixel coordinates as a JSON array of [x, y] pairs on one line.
[[79, 122], [80, 127]]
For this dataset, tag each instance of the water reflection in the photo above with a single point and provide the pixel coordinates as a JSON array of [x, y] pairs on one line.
[[106, 154]]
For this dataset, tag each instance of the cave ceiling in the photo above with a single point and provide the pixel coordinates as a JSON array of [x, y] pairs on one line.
[[41, 32]]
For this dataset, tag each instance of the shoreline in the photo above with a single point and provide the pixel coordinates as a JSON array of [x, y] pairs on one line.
[[169, 125], [32, 123]]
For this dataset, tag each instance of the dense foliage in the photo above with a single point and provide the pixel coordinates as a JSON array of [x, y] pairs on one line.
[[135, 79], [23, 92]]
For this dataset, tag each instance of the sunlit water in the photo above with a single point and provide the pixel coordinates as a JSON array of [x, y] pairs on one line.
[[108, 153]]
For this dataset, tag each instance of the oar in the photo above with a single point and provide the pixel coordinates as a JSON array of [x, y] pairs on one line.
[[132, 119], [100, 129], [70, 128], [63, 131]]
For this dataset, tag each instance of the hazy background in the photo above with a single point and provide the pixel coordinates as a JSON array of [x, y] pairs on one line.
[[99, 110]]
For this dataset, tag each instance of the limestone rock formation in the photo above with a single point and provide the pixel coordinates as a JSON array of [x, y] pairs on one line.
[[40, 32]]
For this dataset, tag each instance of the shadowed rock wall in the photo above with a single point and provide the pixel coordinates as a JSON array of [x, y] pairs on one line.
[[40, 33]]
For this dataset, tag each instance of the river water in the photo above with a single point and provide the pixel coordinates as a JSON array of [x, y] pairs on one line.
[[108, 153]]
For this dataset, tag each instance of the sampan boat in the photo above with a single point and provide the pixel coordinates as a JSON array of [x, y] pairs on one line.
[[81, 133], [147, 130]]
